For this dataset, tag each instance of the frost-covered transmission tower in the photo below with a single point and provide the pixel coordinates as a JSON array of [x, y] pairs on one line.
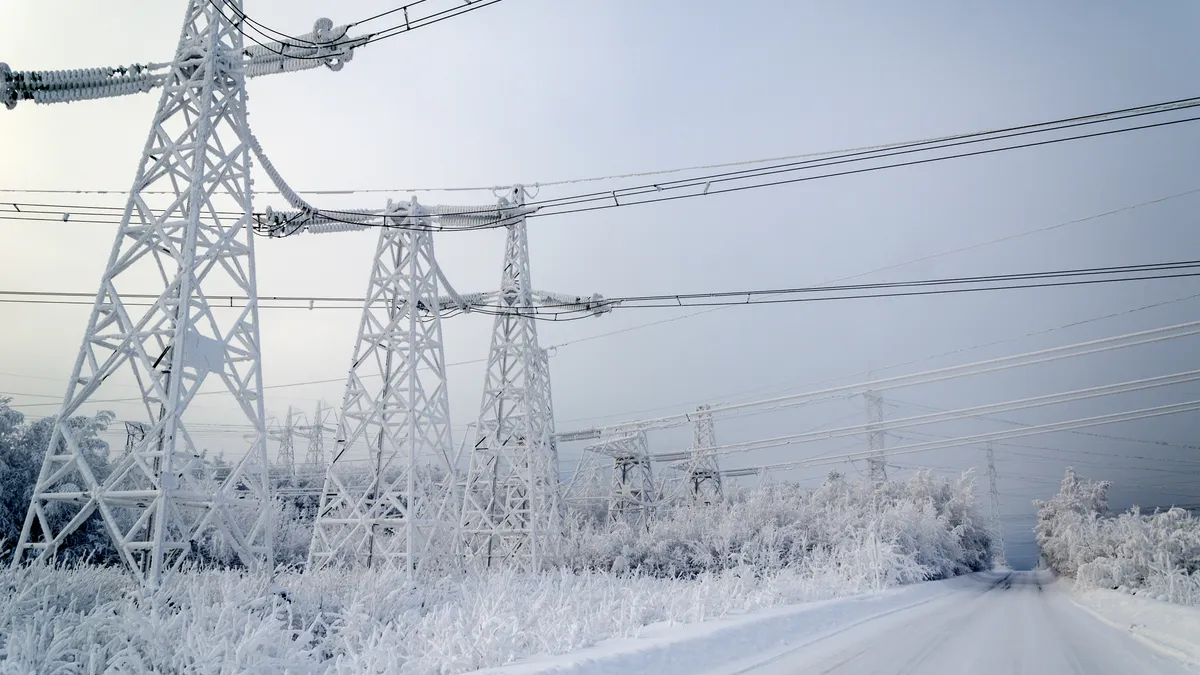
[[390, 497], [285, 435], [703, 474], [997, 526], [633, 493], [511, 510], [875, 436], [388, 491], [159, 504], [315, 456]]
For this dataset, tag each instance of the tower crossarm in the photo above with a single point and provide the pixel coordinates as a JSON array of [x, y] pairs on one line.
[[327, 45]]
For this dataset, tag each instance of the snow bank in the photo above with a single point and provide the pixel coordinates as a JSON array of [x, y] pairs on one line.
[[1167, 627]]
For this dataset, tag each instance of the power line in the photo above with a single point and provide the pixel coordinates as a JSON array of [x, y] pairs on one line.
[[573, 311], [1037, 357], [704, 184], [1180, 446]]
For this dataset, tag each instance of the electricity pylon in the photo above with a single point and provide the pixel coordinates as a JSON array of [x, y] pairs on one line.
[[997, 526], [875, 436], [703, 474], [633, 495], [285, 458], [510, 510], [316, 437], [158, 503], [387, 495]]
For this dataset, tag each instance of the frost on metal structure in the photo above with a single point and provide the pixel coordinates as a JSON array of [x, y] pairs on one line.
[[997, 527], [285, 435], [703, 479], [160, 503], [315, 431], [589, 487], [875, 436], [387, 499], [510, 510], [632, 495]]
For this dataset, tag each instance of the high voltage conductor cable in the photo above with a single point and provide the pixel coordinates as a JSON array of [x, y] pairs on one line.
[[863, 152], [1181, 446], [746, 297], [1037, 357], [948, 415], [613, 198], [1080, 423], [856, 155], [699, 187], [616, 203]]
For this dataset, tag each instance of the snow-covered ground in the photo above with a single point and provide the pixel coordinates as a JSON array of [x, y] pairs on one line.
[[997, 622], [1167, 627]]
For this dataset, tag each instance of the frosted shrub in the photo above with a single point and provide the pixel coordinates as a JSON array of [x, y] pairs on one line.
[[762, 548], [1155, 554], [932, 526]]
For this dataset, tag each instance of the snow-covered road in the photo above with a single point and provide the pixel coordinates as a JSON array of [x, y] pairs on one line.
[[1006, 623]]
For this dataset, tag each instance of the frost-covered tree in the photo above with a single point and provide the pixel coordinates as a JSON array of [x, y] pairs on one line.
[[1157, 554], [22, 448]]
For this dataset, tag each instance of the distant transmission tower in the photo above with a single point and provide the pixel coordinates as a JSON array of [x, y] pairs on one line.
[[510, 513], [995, 495], [633, 494], [703, 474], [387, 495], [875, 436], [158, 502], [285, 458], [316, 438]]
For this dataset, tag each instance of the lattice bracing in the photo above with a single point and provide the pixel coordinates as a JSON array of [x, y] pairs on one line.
[[387, 500]]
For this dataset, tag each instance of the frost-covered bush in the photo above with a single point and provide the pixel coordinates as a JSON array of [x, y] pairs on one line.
[[897, 532], [761, 549], [1156, 554]]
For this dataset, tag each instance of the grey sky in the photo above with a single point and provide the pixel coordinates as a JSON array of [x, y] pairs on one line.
[[533, 90]]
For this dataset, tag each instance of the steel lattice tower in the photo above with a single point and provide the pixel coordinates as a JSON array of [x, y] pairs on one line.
[[703, 474], [158, 502], [633, 493], [995, 498], [387, 495], [285, 458], [316, 437], [510, 512], [875, 436]]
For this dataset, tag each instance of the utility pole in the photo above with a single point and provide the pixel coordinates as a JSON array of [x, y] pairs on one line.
[[995, 495], [875, 436]]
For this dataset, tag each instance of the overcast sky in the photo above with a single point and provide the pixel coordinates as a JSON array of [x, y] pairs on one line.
[[539, 91]]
